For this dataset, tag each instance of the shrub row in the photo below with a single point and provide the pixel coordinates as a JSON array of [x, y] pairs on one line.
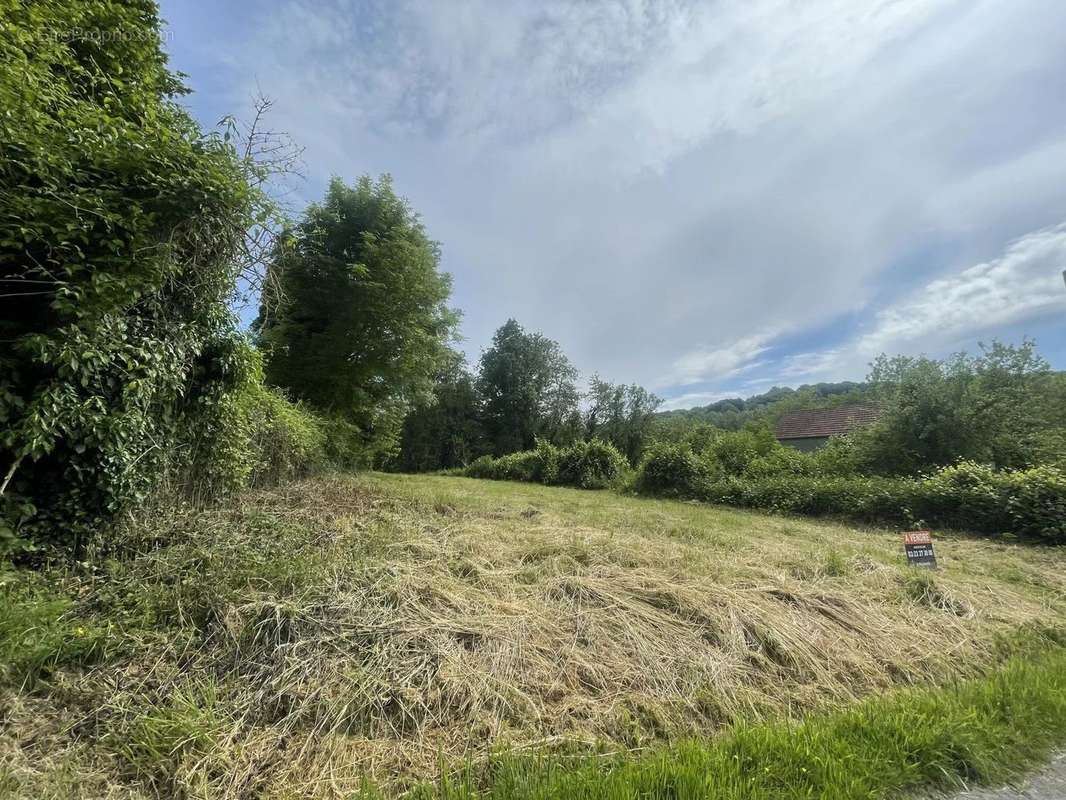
[[285, 440], [586, 465], [966, 496]]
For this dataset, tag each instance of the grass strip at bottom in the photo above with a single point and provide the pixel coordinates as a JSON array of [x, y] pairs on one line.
[[980, 731]]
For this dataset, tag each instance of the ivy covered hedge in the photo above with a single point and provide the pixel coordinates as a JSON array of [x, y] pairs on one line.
[[120, 223], [966, 496]]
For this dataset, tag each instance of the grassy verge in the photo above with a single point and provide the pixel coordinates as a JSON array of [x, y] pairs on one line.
[[980, 731]]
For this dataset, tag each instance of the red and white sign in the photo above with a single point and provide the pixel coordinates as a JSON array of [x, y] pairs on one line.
[[918, 537]]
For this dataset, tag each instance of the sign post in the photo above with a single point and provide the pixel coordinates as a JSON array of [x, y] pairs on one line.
[[918, 545]]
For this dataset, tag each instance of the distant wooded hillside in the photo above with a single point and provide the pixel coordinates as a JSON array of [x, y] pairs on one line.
[[733, 413]]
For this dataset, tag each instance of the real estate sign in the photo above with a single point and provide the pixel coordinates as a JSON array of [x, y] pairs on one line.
[[918, 545]]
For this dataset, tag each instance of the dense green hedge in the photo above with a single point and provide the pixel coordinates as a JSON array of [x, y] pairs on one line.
[[966, 496], [121, 225], [284, 440], [586, 465]]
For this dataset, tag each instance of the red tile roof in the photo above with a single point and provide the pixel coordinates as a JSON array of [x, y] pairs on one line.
[[818, 422]]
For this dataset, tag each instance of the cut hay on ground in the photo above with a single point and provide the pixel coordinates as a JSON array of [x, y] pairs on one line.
[[378, 625]]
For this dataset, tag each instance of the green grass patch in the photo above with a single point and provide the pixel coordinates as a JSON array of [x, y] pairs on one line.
[[38, 631], [985, 731]]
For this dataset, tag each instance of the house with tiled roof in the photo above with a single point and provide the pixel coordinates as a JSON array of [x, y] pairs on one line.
[[811, 428]]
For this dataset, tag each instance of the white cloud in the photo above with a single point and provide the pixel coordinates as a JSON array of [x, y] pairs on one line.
[[734, 68], [1023, 283], [805, 365], [720, 362]]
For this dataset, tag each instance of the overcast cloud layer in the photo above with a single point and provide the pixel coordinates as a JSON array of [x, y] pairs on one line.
[[706, 198]]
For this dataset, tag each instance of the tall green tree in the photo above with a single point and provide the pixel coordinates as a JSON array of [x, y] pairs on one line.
[[445, 431], [528, 390], [356, 323], [620, 414]]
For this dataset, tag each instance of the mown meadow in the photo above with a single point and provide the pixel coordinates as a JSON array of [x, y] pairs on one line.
[[382, 634]]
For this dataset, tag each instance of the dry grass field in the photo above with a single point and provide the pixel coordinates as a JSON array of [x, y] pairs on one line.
[[378, 626]]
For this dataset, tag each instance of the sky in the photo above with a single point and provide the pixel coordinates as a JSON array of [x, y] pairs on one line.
[[706, 198]]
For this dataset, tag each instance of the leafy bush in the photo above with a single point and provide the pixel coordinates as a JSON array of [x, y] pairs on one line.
[[586, 465], [120, 230], [1001, 407], [970, 494], [549, 456], [672, 470], [522, 466], [483, 468], [285, 440], [1035, 502], [839, 456], [733, 451], [881, 499], [967, 496], [591, 465], [781, 461]]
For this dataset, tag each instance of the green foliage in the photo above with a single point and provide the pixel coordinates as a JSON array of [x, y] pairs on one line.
[[446, 431], [483, 467], [965, 496], [120, 223], [621, 415], [527, 390], [863, 498], [1002, 409], [984, 730], [672, 470], [839, 456], [998, 408], [358, 323], [549, 457], [588, 465], [284, 440], [585, 465], [732, 452], [524, 393], [522, 466], [782, 461], [1031, 502], [735, 414]]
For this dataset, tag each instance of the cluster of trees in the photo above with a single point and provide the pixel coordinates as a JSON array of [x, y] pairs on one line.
[[971, 442], [1004, 407], [125, 232], [525, 389]]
